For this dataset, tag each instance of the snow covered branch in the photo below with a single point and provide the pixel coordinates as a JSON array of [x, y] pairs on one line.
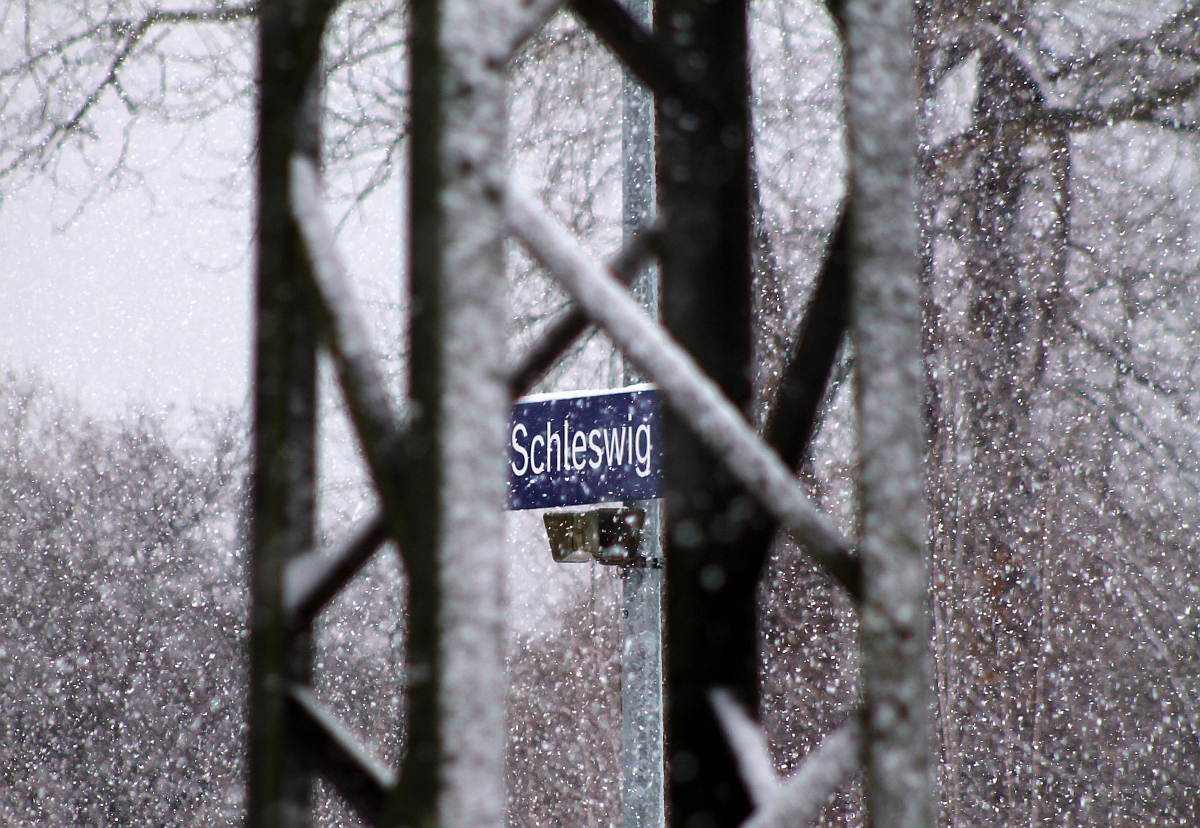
[[804, 794], [693, 396], [796, 801], [335, 310], [749, 744], [341, 758], [551, 345], [314, 577]]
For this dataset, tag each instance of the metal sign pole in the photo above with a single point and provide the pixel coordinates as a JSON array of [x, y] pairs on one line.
[[641, 600]]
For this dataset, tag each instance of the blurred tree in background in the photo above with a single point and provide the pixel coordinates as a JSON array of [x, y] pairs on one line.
[[123, 616], [1060, 176]]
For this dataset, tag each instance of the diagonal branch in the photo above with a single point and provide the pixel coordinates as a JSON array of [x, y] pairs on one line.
[[644, 54], [798, 800], [327, 291], [340, 758], [1126, 367], [749, 745], [694, 397], [1151, 45], [792, 419], [803, 796], [554, 342], [312, 579], [1147, 107]]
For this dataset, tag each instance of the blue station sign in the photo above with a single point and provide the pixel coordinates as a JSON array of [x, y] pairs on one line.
[[594, 447]]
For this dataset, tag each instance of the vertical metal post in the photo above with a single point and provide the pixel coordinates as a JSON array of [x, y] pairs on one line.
[[642, 681], [642, 771], [637, 153], [453, 774]]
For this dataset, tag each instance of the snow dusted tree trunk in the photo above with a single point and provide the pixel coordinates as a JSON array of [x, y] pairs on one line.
[[284, 412], [702, 170], [454, 769], [886, 330]]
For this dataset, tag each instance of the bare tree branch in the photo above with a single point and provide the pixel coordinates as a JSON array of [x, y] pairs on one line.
[[749, 745], [336, 312], [802, 796]]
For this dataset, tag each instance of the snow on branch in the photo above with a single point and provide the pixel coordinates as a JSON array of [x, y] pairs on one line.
[[553, 342], [335, 311], [312, 578], [344, 761], [694, 397], [802, 797], [749, 745], [796, 801]]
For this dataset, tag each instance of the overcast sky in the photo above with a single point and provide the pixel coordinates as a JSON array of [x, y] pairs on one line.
[[145, 297]]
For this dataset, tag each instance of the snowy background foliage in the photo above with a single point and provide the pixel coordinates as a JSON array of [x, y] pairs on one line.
[[123, 616], [1059, 162]]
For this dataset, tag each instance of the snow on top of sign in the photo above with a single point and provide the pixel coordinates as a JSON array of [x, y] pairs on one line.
[[574, 395]]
